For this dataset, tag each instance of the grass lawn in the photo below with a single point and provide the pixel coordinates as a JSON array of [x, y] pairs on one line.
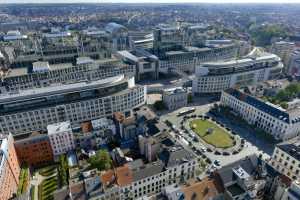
[[218, 138]]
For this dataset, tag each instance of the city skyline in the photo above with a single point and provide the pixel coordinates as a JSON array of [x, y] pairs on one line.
[[150, 99]]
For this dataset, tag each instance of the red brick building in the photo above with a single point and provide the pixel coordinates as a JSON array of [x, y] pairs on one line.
[[9, 168], [34, 150]]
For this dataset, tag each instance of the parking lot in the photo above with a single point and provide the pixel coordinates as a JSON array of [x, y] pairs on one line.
[[251, 143]]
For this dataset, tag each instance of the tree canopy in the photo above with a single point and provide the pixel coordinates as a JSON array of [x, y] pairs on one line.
[[262, 35], [285, 95], [101, 160]]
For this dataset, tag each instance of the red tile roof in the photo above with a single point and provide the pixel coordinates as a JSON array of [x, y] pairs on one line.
[[124, 175]]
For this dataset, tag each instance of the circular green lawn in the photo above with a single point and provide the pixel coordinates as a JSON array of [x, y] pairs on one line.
[[211, 133]]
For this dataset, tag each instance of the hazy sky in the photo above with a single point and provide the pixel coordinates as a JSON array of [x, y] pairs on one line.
[[153, 1]]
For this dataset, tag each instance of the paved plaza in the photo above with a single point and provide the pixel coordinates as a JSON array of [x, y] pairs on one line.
[[252, 144]]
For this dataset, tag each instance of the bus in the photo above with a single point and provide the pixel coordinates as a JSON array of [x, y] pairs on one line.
[[185, 112]]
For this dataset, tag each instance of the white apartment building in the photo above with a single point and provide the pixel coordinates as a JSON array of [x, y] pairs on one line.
[[61, 137], [172, 167], [175, 98], [286, 158], [214, 77], [280, 123], [34, 109]]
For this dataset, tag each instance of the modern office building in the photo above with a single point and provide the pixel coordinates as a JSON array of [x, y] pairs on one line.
[[9, 168], [183, 46], [29, 110], [118, 37], [167, 37], [42, 74], [61, 137], [214, 77], [284, 50], [146, 64], [187, 58], [175, 98], [34, 149], [62, 46], [280, 123], [293, 67], [286, 158]]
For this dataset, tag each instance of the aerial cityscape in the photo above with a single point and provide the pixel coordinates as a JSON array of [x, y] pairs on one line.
[[149, 101]]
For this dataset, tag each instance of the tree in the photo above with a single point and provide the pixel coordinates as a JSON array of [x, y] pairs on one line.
[[190, 98], [159, 105], [101, 160], [284, 105], [262, 35], [63, 169]]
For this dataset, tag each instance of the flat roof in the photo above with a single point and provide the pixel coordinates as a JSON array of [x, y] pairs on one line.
[[59, 127], [17, 72], [235, 190], [175, 90], [244, 60], [60, 66], [54, 89]]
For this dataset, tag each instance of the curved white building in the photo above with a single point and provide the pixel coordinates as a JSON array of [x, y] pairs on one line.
[[214, 77], [34, 109]]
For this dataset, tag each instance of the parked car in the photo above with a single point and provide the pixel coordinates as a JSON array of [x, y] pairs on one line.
[[217, 162], [203, 149], [235, 152]]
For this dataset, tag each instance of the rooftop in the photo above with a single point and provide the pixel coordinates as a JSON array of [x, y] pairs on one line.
[[147, 170], [114, 27], [175, 155], [291, 147], [248, 164], [247, 60], [124, 175], [60, 127], [204, 190], [175, 90], [107, 178], [235, 190], [54, 89], [30, 137], [259, 104]]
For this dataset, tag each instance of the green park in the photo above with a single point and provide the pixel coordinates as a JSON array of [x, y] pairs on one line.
[[211, 133]]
